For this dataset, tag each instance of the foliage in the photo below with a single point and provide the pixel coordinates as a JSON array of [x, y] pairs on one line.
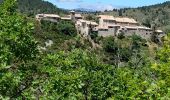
[[161, 70], [17, 48], [62, 27], [123, 49], [121, 35], [93, 35], [67, 28], [76, 74], [91, 17], [15, 33], [60, 33], [109, 44], [137, 42], [38, 6]]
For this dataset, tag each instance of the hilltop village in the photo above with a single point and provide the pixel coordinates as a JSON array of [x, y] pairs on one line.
[[107, 25]]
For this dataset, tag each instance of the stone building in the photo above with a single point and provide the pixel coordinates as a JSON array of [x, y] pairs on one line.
[[108, 25], [74, 17], [106, 20], [113, 26], [48, 17], [84, 26], [55, 18]]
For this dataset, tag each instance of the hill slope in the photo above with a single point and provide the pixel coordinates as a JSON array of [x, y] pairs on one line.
[[158, 14], [32, 7]]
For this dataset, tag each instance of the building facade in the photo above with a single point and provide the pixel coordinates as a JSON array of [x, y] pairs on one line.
[[84, 27], [48, 17], [113, 26]]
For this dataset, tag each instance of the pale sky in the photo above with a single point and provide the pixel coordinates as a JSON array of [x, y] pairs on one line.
[[102, 4]]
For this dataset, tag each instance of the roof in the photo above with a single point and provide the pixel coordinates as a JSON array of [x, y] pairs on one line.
[[114, 25], [143, 27], [100, 27], [106, 17], [159, 31], [81, 20], [49, 15], [125, 20], [92, 23], [78, 15], [138, 27], [72, 11], [65, 18], [131, 27], [88, 22]]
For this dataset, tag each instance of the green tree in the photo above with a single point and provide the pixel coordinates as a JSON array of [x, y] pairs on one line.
[[161, 70], [17, 49]]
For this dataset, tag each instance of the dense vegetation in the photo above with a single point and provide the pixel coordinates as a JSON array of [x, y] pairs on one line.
[[155, 15], [123, 68], [31, 8]]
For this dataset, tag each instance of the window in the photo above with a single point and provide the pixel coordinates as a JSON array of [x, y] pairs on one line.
[[110, 26], [41, 16]]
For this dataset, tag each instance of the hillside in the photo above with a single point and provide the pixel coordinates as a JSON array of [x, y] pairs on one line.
[[148, 15], [49, 61], [32, 7]]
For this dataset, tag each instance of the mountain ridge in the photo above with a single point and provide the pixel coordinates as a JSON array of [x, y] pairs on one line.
[[33, 7]]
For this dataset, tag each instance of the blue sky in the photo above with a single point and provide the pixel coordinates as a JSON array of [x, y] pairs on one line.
[[102, 4]]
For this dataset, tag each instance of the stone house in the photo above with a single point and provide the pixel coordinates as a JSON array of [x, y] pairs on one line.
[[48, 17], [74, 17], [113, 26], [55, 18], [84, 26], [108, 25]]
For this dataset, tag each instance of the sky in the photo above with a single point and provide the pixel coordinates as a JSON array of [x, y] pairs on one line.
[[102, 4]]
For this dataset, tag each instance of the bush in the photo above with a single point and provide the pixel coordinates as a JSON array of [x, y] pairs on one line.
[[62, 27], [93, 35], [121, 35]]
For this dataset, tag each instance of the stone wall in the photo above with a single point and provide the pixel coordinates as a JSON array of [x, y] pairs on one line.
[[106, 33], [146, 34]]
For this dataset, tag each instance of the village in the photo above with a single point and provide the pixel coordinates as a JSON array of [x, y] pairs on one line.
[[106, 26]]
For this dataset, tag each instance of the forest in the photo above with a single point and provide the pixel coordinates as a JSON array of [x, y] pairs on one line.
[[119, 68]]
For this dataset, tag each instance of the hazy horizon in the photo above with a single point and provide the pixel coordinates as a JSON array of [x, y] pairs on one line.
[[103, 5]]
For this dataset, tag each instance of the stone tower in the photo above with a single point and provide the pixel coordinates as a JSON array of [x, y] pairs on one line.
[[73, 16]]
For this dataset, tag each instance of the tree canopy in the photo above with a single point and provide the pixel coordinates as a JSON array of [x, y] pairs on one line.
[[26, 72]]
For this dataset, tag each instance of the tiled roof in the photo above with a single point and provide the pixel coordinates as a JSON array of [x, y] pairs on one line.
[[106, 17], [88, 22], [125, 20], [78, 15], [100, 27], [65, 18], [49, 15], [81, 20], [143, 27], [137, 27], [92, 23]]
